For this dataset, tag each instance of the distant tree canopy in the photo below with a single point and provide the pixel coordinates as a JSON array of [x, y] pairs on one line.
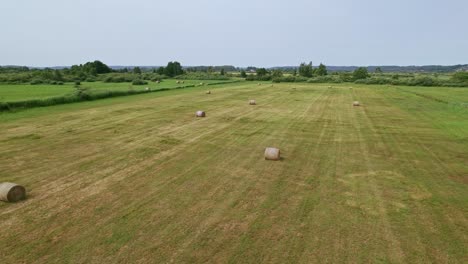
[[90, 68], [321, 70], [460, 76], [306, 70], [277, 74], [98, 71], [58, 75], [243, 74], [261, 72], [137, 70], [99, 66], [360, 73], [211, 69], [160, 70], [172, 69], [13, 69]]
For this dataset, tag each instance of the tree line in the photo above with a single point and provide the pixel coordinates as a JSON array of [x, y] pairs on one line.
[[304, 72]]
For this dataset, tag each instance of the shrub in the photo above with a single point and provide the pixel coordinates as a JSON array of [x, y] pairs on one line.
[[360, 73], [119, 77], [155, 77], [290, 79], [374, 80], [326, 79], [116, 79], [277, 74], [423, 81], [139, 82], [306, 70], [83, 93], [284, 79], [258, 78], [202, 76], [36, 81], [460, 77]]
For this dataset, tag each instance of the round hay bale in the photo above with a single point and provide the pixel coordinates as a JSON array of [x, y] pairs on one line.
[[201, 83], [147, 89], [12, 192], [329, 87], [272, 153], [178, 82], [158, 81], [252, 102], [208, 92], [201, 114], [356, 103]]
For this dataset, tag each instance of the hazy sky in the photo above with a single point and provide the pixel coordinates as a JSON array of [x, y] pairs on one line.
[[236, 32]]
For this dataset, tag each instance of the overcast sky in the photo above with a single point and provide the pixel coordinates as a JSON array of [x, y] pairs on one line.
[[235, 32]]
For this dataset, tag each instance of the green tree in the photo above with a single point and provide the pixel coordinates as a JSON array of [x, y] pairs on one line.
[[173, 69], [243, 74], [306, 70], [460, 77], [90, 68], [47, 74], [101, 67], [321, 70], [277, 74], [161, 71], [378, 70], [360, 73], [262, 72], [222, 71], [137, 70], [58, 76]]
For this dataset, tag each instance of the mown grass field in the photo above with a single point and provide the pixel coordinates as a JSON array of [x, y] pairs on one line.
[[21, 92], [140, 179]]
